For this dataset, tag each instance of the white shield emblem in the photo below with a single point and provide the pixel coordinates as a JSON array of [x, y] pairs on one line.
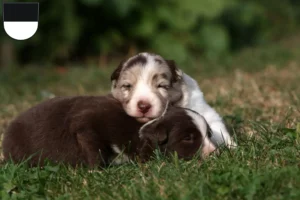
[[20, 19]]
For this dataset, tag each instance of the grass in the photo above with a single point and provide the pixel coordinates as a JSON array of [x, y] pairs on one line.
[[257, 91]]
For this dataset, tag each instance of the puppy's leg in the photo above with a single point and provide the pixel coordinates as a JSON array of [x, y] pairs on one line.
[[195, 100], [220, 134], [145, 150], [91, 149]]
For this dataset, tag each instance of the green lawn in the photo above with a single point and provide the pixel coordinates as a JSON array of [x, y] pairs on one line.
[[258, 93]]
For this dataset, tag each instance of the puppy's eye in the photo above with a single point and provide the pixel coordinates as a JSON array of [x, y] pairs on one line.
[[163, 86], [127, 86], [188, 138]]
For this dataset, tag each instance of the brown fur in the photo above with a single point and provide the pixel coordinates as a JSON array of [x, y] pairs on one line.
[[81, 130]]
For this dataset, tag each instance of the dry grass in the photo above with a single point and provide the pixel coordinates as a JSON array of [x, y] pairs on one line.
[[269, 95]]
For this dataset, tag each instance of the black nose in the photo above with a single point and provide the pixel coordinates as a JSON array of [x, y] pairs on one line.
[[144, 106]]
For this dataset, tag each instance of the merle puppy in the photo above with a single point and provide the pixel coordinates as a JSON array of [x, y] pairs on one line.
[[144, 83], [96, 131]]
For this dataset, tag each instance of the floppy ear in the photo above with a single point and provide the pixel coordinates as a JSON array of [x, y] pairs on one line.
[[116, 73], [151, 136], [154, 132], [176, 73]]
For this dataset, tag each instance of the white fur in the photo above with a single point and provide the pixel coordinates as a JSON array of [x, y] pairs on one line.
[[121, 157], [143, 92], [195, 100]]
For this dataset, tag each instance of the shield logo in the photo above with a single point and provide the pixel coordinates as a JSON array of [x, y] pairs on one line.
[[20, 19]]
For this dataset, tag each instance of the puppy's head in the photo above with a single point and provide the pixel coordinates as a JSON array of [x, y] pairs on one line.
[[179, 130], [144, 84]]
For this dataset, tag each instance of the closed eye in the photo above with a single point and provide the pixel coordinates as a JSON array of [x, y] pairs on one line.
[[188, 138], [127, 86], [164, 86]]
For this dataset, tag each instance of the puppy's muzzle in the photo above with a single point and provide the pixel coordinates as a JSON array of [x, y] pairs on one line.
[[143, 106]]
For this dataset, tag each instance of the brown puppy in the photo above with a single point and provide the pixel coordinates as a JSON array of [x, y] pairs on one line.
[[94, 131]]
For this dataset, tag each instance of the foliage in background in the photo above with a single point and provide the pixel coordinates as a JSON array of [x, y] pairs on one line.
[[82, 30]]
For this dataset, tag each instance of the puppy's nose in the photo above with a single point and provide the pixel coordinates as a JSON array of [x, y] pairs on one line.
[[144, 106]]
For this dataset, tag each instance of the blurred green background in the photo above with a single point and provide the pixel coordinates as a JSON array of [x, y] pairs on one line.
[[86, 32]]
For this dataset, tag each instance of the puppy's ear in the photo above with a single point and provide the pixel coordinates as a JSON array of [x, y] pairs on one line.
[[155, 132], [116, 73], [152, 135], [176, 73]]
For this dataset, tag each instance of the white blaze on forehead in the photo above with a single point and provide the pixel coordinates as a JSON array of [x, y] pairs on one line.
[[150, 69], [150, 58], [207, 146], [143, 90]]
